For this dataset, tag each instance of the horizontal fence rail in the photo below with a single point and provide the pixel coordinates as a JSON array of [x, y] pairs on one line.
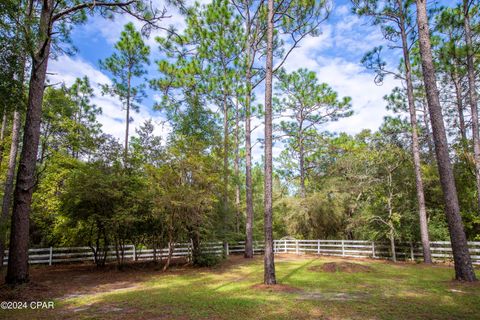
[[441, 251]]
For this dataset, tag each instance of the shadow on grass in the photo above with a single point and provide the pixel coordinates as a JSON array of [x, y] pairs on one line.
[[296, 270]]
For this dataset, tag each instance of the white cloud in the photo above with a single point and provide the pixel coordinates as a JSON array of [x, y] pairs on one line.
[[66, 70]]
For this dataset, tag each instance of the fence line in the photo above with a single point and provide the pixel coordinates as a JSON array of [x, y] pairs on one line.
[[441, 250]]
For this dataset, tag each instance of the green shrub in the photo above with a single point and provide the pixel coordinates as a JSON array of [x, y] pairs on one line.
[[207, 259]]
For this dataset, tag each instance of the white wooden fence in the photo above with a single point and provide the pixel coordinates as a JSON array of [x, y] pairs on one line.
[[441, 250]]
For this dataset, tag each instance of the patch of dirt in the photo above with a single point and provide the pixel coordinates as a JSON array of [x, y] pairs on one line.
[[76, 280], [348, 267], [332, 296], [276, 288]]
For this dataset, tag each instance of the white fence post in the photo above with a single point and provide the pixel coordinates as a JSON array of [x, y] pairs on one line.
[[412, 255], [227, 250], [134, 253], [343, 248], [51, 256], [373, 249], [285, 243], [318, 248], [296, 244]]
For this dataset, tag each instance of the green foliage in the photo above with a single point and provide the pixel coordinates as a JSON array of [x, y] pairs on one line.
[[208, 260]]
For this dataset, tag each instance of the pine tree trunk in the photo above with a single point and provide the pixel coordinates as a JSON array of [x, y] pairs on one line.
[[225, 165], [2, 136], [472, 94], [458, 95], [422, 212], [127, 123], [17, 271], [463, 264], [8, 191], [269, 264], [302, 168], [248, 150], [237, 168]]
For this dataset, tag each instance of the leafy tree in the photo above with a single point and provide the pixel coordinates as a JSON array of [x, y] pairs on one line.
[[52, 26], [306, 105]]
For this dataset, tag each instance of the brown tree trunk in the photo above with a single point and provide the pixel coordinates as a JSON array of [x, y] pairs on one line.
[[8, 191], [269, 263], [225, 165], [422, 212], [236, 168], [248, 150], [461, 256], [17, 271], [302, 165], [458, 95], [472, 94], [127, 124], [2, 135]]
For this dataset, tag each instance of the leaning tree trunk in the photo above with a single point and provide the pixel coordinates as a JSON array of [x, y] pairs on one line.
[[472, 94], [17, 271], [463, 264], [269, 264], [422, 212], [8, 190]]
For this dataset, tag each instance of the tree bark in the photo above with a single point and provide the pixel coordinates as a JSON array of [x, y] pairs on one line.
[[225, 165], [302, 164], [463, 264], [472, 94], [269, 263], [248, 148], [127, 124], [236, 168], [458, 95], [2, 136], [17, 271], [422, 212], [7, 194]]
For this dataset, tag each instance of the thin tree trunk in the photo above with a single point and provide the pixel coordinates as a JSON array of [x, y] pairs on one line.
[[392, 245], [463, 264], [7, 195], [127, 124], [472, 94], [2, 136], [302, 169], [248, 150], [422, 212], [171, 247], [225, 164], [269, 263], [458, 95], [391, 231], [17, 271], [428, 132], [237, 168]]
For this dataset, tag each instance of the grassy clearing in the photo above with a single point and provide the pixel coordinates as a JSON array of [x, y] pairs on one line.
[[380, 290]]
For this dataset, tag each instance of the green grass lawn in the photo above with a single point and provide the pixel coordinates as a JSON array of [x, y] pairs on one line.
[[385, 291]]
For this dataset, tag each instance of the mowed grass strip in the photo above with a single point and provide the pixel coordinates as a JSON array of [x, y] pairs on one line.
[[310, 288]]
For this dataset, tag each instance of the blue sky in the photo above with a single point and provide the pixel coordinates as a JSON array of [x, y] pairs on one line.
[[334, 55]]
